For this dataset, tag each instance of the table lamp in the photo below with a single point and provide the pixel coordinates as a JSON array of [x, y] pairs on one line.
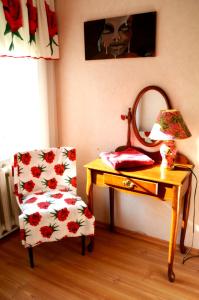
[[168, 127]]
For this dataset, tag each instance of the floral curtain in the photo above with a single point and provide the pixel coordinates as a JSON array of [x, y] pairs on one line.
[[28, 28]]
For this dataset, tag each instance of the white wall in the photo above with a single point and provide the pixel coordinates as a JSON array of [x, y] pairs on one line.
[[92, 95]]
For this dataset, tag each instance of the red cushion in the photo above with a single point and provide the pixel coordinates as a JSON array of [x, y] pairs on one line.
[[126, 159]]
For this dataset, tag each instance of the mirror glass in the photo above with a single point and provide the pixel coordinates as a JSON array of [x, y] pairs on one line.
[[146, 108]]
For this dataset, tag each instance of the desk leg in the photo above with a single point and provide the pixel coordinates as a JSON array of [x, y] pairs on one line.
[[89, 189], [185, 216], [173, 234], [89, 193], [111, 198]]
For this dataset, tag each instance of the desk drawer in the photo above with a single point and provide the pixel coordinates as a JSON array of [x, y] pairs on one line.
[[131, 184]]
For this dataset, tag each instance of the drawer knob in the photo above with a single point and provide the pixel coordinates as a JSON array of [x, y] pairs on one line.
[[128, 183]]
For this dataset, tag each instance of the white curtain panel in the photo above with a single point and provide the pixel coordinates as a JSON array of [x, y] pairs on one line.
[[28, 28], [27, 121]]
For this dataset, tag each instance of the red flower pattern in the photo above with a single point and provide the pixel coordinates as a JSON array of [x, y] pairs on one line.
[[52, 21], [73, 181], [44, 205], [41, 199], [28, 186], [32, 19], [25, 158], [47, 231], [172, 123], [73, 226], [18, 20], [60, 168], [52, 26], [65, 189], [52, 183], [48, 156], [70, 201], [31, 200], [39, 193], [57, 196], [36, 171], [13, 15], [34, 219], [62, 214], [87, 213], [72, 154]]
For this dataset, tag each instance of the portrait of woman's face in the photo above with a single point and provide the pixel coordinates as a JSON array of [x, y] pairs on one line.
[[120, 37], [116, 35]]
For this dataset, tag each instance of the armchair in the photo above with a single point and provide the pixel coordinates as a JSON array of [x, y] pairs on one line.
[[45, 190]]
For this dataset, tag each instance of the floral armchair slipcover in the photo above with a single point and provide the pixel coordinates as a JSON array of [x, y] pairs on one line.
[[45, 189]]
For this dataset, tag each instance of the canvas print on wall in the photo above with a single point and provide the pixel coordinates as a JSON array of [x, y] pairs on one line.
[[127, 36]]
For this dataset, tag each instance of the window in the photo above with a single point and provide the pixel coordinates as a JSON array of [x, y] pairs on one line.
[[24, 109]]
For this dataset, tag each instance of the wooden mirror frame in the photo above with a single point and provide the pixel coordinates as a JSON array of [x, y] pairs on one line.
[[134, 109]]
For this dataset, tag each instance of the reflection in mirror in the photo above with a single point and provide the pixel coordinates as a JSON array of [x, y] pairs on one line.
[[148, 108], [148, 104]]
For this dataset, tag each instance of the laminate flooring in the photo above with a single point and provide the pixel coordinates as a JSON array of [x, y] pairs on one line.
[[120, 268]]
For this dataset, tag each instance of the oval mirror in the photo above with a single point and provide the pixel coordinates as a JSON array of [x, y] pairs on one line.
[[147, 105]]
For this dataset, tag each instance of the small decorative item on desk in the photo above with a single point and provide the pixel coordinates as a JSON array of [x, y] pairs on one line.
[[169, 126]]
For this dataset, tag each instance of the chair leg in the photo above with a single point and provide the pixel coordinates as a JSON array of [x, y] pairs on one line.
[[91, 244], [31, 259], [83, 244]]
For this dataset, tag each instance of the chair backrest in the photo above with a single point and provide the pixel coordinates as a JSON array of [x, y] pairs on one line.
[[44, 170]]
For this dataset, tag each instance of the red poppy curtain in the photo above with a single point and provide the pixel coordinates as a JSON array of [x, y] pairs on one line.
[[28, 28]]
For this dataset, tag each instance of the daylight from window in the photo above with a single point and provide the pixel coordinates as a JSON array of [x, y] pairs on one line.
[[23, 110]]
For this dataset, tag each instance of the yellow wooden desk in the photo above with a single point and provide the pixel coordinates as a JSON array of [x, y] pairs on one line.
[[173, 185]]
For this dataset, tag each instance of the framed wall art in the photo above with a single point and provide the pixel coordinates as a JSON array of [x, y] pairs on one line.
[[121, 37]]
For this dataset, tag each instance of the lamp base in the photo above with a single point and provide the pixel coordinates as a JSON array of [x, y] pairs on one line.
[[168, 153]]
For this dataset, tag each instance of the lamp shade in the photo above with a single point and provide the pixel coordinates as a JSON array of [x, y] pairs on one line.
[[169, 126]]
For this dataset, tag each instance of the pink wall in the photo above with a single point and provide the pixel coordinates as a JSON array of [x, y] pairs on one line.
[[91, 95]]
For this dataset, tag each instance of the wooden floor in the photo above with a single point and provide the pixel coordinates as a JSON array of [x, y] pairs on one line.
[[119, 268]]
